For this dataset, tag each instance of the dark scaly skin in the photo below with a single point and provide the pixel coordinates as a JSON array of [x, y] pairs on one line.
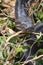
[[38, 27], [22, 20]]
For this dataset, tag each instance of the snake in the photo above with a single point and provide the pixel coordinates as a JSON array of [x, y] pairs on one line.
[[24, 21]]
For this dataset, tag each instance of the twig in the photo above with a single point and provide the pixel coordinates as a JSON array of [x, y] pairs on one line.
[[37, 8], [37, 33], [19, 33], [35, 58], [14, 35], [31, 48], [9, 57]]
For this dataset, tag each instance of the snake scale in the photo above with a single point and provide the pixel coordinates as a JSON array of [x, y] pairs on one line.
[[23, 21]]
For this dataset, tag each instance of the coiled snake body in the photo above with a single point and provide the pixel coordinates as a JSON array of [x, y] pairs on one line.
[[22, 20]]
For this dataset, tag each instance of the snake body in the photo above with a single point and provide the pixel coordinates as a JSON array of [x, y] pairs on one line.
[[22, 20], [38, 27]]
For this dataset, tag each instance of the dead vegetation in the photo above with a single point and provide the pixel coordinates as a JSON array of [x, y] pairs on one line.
[[14, 43]]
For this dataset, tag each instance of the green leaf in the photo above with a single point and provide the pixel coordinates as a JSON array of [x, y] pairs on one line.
[[39, 61], [2, 21], [18, 49], [39, 36], [1, 40], [1, 55], [41, 4], [10, 24], [1, 63], [39, 14], [17, 63], [40, 51]]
